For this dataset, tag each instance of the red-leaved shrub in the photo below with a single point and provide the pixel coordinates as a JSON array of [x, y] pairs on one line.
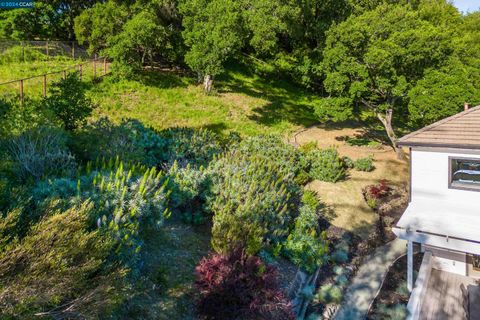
[[237, 286], [377, 191]]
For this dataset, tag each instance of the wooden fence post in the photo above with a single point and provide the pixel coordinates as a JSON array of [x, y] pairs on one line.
[[104, 66], [80, 71], [46, 48], [64, 74], [44, 85], [21, 91]]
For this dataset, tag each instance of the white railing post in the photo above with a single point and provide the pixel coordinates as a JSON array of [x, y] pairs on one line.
[[410, 266]]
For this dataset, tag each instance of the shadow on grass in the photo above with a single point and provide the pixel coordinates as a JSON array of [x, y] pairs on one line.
[[286, 102], [218, 128], [164, 79]]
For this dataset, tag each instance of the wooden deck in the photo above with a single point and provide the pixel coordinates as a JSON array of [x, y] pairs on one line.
[[443, 298]]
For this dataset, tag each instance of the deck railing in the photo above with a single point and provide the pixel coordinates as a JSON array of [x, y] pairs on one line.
[[416, 297]]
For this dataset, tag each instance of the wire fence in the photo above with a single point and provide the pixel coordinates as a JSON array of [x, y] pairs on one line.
[[49, 48], [38, 85], [63, 57]]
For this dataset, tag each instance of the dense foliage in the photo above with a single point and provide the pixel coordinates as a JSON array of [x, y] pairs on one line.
[[56, 261], [239, 286], [68, 102], [306, 245], [253, 203], [373, 60], [326, 165]]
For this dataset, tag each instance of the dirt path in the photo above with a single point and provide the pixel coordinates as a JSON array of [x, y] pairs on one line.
[[348, 209]]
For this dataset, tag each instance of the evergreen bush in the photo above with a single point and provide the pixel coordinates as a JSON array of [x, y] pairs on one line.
[[329, 293], [185, 145], [273, 148], [306, 246], [326, 165], [56, 263], [68, 102], [130, 140], [252, 201], [128, 201], [190, 188], [364, 164]]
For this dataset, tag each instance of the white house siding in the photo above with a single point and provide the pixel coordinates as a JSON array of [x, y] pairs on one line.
[[430, 170], [430, 183]]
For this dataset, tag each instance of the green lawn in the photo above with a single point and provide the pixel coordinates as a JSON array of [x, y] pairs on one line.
[[242, 102], [33, 87]]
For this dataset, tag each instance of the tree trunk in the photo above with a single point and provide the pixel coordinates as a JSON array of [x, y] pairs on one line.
[[207, 83], [386, 120]]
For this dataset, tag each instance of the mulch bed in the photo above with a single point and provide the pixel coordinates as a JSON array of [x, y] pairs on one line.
[[393, 291]]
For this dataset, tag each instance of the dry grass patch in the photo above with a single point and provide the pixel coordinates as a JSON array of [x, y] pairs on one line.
[[349, 210]]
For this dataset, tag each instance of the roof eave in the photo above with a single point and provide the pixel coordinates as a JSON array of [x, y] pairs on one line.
[[438, 145]]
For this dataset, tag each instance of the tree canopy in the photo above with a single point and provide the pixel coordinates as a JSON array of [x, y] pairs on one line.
[[405, 62], [373, 60]]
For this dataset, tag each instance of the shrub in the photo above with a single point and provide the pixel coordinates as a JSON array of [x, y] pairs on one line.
[[41, 152], [190, 188], [373, 193], [253, 203], [56, 263], [237, 286], [302, 178], [129, 203], [272, 147], [308, 147], [326, 165], [348, 162], [310, 199], [185, 145], [306, 246], [68, 102], [339, 256], [16, 117], [130, 140], [372, 203], [364, 164], [329, 293]]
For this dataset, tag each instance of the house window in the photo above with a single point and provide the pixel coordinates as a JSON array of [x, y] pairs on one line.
[[465, 173]]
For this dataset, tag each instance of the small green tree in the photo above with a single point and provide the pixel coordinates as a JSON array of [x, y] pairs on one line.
[[213, 32], [372, 60], [68, 102], [141, 37]]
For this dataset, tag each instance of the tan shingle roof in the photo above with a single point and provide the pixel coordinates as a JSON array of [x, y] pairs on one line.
[[458, 131]]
